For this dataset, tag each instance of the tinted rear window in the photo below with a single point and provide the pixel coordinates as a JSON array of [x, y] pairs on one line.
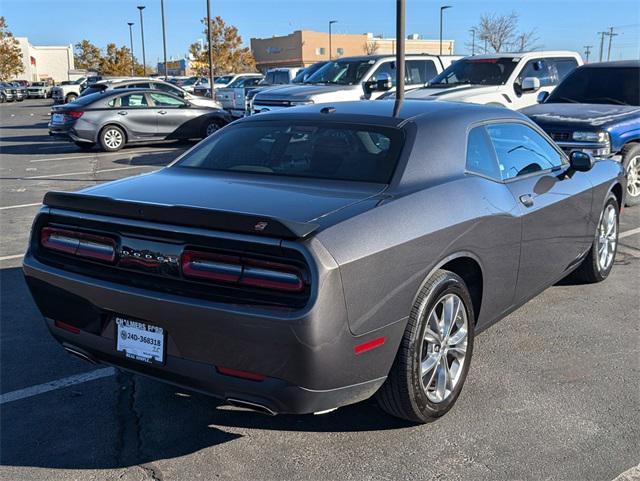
[[600, 85], [323, 150]]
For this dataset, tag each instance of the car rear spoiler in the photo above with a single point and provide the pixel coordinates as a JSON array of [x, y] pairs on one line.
[[180, 215]]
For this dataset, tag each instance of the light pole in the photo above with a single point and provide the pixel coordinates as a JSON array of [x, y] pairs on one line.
[[144, 58], [331, 22], [210, 47], [400, 36], [133, 60], [442, 9], [164, 40], [473, 41]]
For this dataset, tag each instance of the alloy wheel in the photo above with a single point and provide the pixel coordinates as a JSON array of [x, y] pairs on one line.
[[113, 138], [633, 177], [211, 128], [444, 348], [607, 238]]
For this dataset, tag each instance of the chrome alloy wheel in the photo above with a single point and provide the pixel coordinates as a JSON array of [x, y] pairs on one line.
[[113, 138], [633, 177], [444, 348], [607, 237]]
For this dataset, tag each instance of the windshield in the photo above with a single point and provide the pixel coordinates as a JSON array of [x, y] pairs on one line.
[[244, 82], [38, 84], [305, 73], [481, 71], [342, 72], [79, 81], [225, 79], [190, 81], [613, 85], [322, 150]]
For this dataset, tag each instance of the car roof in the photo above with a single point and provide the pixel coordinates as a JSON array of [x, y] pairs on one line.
[[114, 92], [615, 64], [363, 58], [541, 53]]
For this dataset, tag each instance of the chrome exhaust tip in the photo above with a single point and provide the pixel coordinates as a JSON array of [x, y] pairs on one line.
[[250, 406], [80, 354]]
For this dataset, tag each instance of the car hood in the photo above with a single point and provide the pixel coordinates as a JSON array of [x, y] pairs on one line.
[[597, 115], [451, 93], [304, 92], [300, 200]]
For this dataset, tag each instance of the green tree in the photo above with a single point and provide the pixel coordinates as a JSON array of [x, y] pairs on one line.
[[87, 56], [10, 54], [228, 53]]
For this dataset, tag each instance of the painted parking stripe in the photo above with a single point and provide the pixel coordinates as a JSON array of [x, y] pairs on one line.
[[629, 233], [18, 206], [89, 172], [109, 154], [54, 385], [14, 256]]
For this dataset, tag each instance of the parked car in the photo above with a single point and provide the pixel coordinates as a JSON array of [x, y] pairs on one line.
[[68, 91], [117, 118], [233, 97], [6, 92], [511, 80], [157, 84], [307, 259], [19, 92], [221, 82], [275, 77], [190, 83], [349, 78], [596, 109], [39, 90]]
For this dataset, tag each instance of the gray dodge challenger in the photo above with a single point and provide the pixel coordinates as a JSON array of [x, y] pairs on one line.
[[303, 260]]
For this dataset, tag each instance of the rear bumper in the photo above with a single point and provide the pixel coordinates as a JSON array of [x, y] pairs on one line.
[[307, 356]]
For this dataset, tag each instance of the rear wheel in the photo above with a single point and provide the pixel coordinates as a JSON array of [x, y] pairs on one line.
[[631, 162], [434, 356], [112, 138], [70, 98], [599, 262], [3, 99], [211, 127]]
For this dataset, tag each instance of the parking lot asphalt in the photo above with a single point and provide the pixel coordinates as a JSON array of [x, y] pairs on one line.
[[553, 391]]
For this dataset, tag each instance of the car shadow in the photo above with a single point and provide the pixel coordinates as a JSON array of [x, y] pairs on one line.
[[39, 125]]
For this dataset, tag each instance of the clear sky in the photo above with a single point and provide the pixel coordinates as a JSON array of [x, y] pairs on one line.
[[560, 24]]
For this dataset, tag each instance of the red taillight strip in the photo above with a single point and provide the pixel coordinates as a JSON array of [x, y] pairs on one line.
[[74, 114], [366, 346], [67, 327], [80, 244], [251, 376]]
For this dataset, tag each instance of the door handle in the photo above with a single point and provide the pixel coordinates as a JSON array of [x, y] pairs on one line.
[[122, 112], [162, 112], [526, 200]]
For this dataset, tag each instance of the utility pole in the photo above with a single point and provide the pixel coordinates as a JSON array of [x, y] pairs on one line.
[[587, 52], [602, 34], [133, 59], [473, 41], [400, 13], [144, 58], [164, 40], [611, 35], [210, 47]]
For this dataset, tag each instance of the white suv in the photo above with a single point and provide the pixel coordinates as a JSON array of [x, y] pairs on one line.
[[511, 80]]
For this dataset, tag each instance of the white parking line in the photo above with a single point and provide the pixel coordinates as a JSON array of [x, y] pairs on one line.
[[89, 172], [629, 233], [108, 154], [14, 256], [58, 384], [18, 206]]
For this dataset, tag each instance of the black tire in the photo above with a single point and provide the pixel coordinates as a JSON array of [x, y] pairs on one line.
[[590, 270], [85, 145], [3, 99], [108, 132], [211, 127], [70, 98], [631, 160], [403, 395]]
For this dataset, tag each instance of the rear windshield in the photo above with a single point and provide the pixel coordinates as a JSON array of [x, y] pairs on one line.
[[322, 150], [87, 99], [479, 71], [617, 85]]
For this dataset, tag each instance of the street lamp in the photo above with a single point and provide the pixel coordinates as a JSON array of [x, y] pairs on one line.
[[164, 40], [133, 60], [331, 22], [473, 41], [210, 48], [442, 9], [144, 58]]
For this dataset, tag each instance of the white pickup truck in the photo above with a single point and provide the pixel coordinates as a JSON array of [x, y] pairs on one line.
[[511, 80], [352, 78], [63, 94]]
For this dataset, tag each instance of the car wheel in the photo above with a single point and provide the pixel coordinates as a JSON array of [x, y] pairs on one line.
[[631, 163], [3, 99], [112, 138], [599, 262], [211, 127], [85, 145], [434, 356], [70, 98]]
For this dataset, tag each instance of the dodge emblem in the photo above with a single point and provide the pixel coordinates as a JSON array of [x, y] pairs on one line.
[[260, 226]]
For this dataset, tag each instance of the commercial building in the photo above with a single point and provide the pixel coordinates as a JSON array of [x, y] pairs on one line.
[[45, 62], [304, 47], [177, 68]]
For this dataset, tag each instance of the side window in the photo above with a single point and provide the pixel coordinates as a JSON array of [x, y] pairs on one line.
[[250, 82], [388, 68], [564, 66], [162, 100], [133, 100], [141, 85], [166, 88], [521, 150], [419, 72], [540, 69], [481, 157]]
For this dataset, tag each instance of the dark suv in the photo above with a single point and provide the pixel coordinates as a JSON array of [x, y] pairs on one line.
[[596, 109]]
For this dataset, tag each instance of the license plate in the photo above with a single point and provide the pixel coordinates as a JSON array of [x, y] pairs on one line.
[[140, 341], [58, 118]]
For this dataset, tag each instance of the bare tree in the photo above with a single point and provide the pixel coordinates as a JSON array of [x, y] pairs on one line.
[[526, 41], [370, 48], [498, 31]]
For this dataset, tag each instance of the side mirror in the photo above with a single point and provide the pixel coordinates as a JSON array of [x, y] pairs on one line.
[[381, 84], [580, 161], [542, 97], [530, 84]]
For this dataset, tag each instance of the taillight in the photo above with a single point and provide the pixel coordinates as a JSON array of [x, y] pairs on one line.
[[241, 270], [74, 114], [88, 246]]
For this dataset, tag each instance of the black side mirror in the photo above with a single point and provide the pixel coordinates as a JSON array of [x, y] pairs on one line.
[[580, 161]]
